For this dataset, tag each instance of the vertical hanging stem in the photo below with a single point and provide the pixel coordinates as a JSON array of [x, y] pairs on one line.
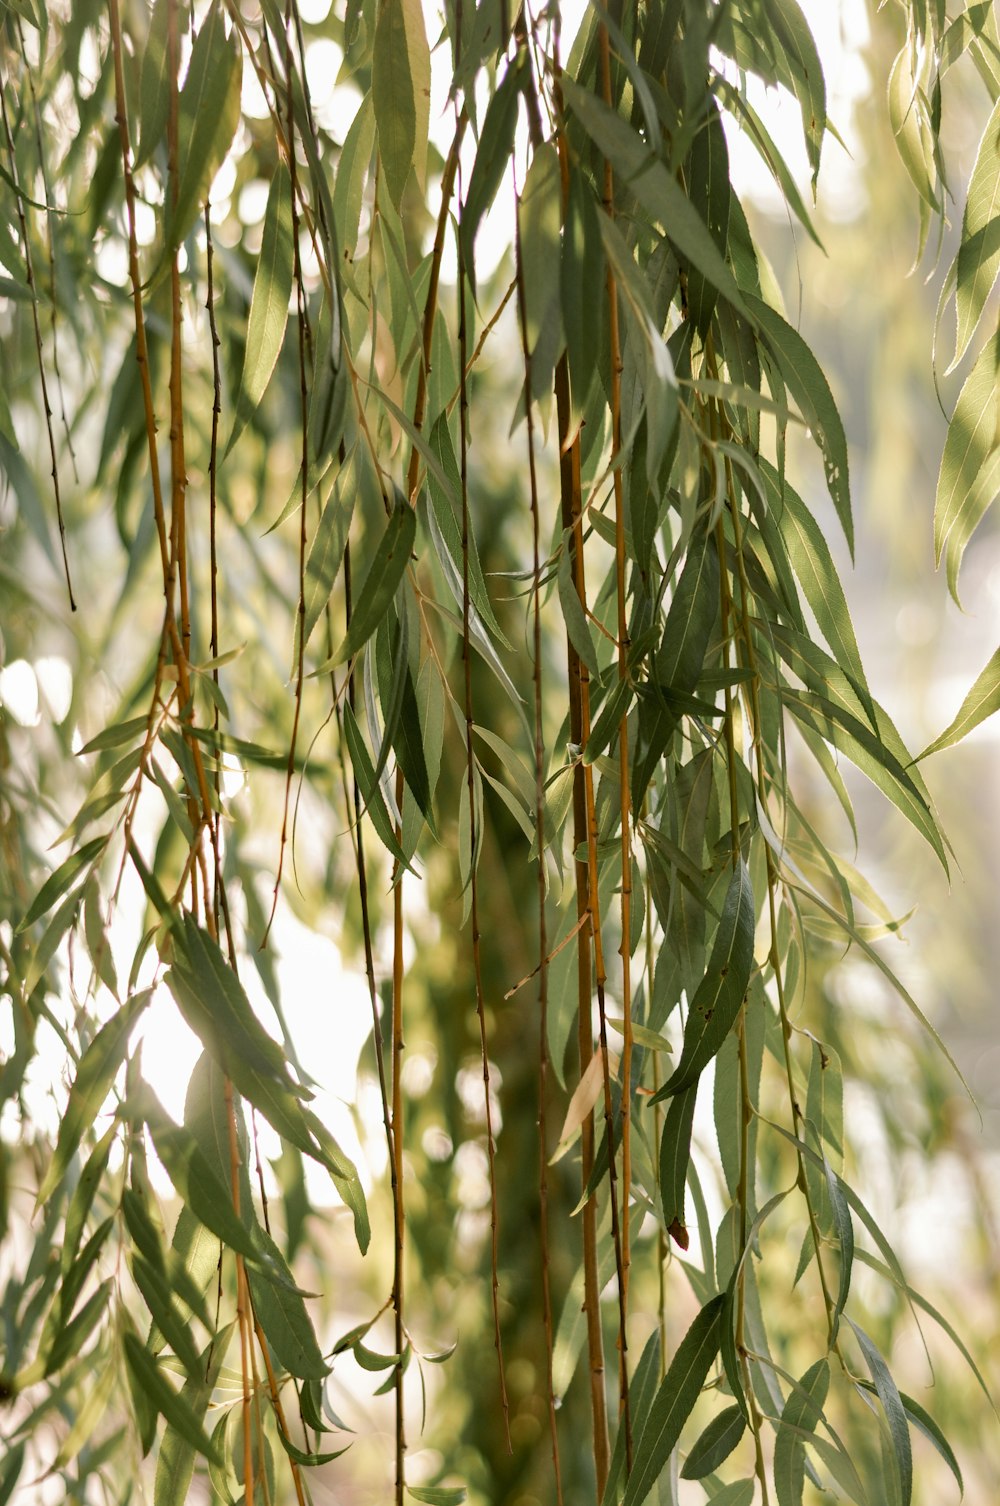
[[746, 1107], [300, 304], [624, 790], [586, 898], [543, 946], [32, 290], [51, 237], [399, 1218], [470, 767]]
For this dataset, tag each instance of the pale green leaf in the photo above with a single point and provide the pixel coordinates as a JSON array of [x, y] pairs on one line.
[[272, 289], [969, 478], [401, 79], [979, 252], [98, 1068], [208, 114], [892, 1405], [982, 701]]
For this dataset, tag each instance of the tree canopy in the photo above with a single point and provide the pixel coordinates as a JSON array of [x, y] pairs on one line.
[[424, 651]]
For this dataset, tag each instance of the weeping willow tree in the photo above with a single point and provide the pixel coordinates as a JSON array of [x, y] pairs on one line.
[[463, 588]]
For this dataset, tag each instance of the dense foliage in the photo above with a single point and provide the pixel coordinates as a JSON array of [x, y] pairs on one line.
[[540, 741]]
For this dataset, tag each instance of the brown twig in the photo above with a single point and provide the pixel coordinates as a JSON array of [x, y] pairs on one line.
[[623, 789], [543, 953]]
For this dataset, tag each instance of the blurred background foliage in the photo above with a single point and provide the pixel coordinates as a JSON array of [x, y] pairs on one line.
[[916, 1151]]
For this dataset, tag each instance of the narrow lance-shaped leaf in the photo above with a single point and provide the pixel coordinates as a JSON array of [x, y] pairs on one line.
[[918, 1417], [272, 289], [892, 1405], [812, 562], [57, 883], [675, 1156], [381, 582], [659, 193], [326, 552], [154, 93], [979, 252], [969, 478], [209, 113], [715, 1444], [173, 1405], [97, 1071], [802, 1411], [982, 701], [401, 80], [493, 159], [719, 996], [811, 391], [673, 1403]]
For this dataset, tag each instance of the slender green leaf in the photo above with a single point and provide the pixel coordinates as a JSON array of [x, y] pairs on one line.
[[675, 1156], [401, 92], [437, 1495], [65, 876], [892, 1405], [811, 391], [272, 289], [982, 701], [715, 1444], [678, 1392], [659, 193], [391, 559], [979, 253], [493, 159], [153, 84], [719, 996], [98, 1068], [171, 1404], [326, 553], [969, 478], [209, 112], [802, 1411], [282, 1315]]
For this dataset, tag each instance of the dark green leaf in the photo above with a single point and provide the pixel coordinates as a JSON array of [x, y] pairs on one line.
[[659, 193], [209, 113], [924, 1423], [493, 159], [719, 996], [282, 1315], [678, 1392], [811, 391], [715, 1444], [326, 553], [154, 91], [979, 253], [171, 1404], [391, 559], [675, 1155]]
